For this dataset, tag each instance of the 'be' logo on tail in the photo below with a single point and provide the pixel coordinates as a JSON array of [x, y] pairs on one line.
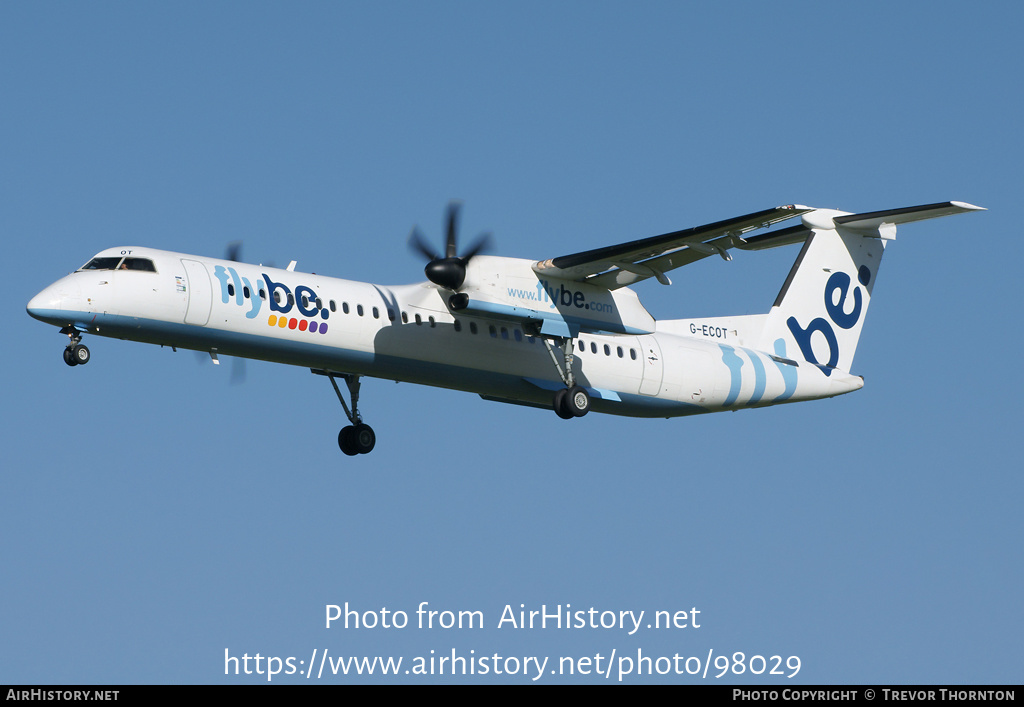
[[836, 310]]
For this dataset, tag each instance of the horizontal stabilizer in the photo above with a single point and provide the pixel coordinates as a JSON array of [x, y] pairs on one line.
[[874, 219]]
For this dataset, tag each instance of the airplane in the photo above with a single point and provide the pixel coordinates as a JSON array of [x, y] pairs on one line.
[[567, 334]]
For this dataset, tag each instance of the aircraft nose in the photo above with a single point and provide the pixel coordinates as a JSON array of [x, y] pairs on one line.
[[44, 304]]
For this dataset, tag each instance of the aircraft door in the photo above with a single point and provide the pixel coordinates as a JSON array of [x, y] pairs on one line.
[[654, 368], [200, 293]]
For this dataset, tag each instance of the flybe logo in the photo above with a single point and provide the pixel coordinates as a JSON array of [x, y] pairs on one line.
[[836, 309], [554, 295], [280, 299]]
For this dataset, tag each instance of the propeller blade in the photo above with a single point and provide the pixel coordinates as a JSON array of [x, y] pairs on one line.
[[448, 271], [419, 244], [453, 227], [482, 244]]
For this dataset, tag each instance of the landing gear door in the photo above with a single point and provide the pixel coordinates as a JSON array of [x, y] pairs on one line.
[[200, 293], [654, 369]]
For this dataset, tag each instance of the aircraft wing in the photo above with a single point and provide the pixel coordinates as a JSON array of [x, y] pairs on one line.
[[621, 265]]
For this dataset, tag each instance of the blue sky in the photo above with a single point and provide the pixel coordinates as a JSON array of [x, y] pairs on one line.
[[154, 515]]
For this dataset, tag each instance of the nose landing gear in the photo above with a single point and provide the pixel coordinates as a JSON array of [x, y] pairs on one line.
[[76, 353]]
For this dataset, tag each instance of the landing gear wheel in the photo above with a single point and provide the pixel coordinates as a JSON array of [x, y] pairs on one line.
[[577, 400], [561, 406], [363, 438], [81, 354], [345, 441], [69, 358], [358, 439]]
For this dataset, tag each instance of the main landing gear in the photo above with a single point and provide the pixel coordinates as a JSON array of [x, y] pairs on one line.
[[76, 353], [357, 438], [572, 400]]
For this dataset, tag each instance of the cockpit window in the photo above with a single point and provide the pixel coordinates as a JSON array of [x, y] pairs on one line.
[[102, 263], [138, 264], [118, 263]]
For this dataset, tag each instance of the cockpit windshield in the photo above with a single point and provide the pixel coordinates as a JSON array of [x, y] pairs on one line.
[[119, 263], [102, 264]]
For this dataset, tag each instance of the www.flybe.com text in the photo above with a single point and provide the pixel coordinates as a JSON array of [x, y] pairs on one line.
[[558, 294]]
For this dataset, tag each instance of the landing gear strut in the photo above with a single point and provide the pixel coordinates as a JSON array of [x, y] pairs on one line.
[[357, 438], [572, 400], [76, 353]]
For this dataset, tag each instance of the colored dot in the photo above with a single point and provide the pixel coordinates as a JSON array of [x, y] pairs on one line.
[[292, 323], [324, 313], [323, 327], [273, 320], [302, 325], [313, 326], [282, 322]]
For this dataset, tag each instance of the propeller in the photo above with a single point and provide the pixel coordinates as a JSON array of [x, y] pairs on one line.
[[448, 271]]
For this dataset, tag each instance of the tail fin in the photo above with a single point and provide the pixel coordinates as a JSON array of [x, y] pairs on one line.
[[820, 311]]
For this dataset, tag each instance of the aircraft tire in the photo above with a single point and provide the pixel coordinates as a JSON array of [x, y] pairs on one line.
[[577, 401], [363, 439], [81, 354], [560, 404], [69, 358], [345, 441]]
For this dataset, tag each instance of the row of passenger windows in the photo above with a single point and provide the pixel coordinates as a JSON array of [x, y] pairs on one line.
[[494, 331], [503, 333]]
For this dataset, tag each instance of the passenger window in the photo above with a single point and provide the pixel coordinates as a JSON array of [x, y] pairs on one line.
[[291, 300], [376, 313], [518, 334], [359, 309], [344, 307], [432, 322], [593, 347], [504, 333], [305, 302], [231, 290], [607, 350], [619, 351], [333, 308], [632, 354], [277, 296], [458, 325], [263, 294], [391, 314], [245, 292], [583, 347], [405, 317], [494, 332], [472, 327]]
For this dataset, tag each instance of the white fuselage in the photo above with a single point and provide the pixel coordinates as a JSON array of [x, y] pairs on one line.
[[409, 333]]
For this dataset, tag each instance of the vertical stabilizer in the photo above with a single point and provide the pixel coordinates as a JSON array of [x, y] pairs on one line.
[[820, 311]]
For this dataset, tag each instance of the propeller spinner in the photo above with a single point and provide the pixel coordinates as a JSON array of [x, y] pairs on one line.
[[448, 271]]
